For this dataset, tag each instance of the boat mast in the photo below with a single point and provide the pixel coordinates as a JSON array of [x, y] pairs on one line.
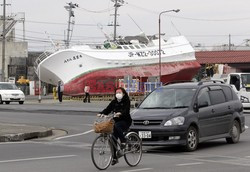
[[117, 4], [71, 14]]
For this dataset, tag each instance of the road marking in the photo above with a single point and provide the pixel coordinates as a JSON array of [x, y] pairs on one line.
[[74, 135], [194, 163], [237, 161], [7, 143], [141, 169], [39, 158], [246, 127]]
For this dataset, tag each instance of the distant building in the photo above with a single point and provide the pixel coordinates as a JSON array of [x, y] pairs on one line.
[[16, 51], [234, 61]]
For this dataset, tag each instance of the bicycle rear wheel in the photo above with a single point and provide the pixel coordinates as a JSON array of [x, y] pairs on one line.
[[133, 150], [101, 153]]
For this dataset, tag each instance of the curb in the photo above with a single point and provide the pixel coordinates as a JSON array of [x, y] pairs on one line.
[[25, 136]]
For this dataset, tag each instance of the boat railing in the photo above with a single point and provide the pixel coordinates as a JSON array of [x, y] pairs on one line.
[[40, 58]]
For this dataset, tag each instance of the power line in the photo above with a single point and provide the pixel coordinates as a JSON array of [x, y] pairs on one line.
[[84, 38], [41, 33], [100, 11], [194, 19], [55, 23], [211, 20]]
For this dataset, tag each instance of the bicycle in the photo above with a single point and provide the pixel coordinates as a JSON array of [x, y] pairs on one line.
[[102, 149]]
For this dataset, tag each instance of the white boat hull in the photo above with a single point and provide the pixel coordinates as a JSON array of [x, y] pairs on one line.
[[81, 65]]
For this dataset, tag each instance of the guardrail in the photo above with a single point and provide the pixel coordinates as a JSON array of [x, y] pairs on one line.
[[40, 58]]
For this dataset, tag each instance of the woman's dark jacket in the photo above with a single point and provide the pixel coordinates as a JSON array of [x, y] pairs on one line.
[[122, 106]]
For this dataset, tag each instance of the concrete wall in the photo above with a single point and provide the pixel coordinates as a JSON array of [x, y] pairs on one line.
[[13, 49]]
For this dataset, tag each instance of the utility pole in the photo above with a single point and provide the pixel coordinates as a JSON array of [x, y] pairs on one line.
[[118, 3], [3, 42], [69, 8], [229, 44], [115, 19]]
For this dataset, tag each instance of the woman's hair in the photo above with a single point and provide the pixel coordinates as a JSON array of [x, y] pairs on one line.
[[125, 94]]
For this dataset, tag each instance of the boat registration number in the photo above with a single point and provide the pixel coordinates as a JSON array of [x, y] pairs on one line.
[[145, 134]]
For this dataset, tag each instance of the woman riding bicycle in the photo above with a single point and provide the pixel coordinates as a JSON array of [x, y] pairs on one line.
[[120, 105]]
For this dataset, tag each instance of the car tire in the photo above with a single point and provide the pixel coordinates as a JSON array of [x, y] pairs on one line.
[[1, 102], [7, 103], [192, 139], [234, 133], [21, 102]]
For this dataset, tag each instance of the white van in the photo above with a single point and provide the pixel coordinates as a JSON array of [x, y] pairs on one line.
[[10, 93], [241, 85]]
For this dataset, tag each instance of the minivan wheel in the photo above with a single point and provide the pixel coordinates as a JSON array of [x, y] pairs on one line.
[[234, 133], [191, 139]]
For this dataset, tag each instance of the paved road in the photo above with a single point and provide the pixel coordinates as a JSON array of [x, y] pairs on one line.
[[72, 152]]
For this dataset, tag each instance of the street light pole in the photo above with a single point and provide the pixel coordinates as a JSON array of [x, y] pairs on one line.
[[177, 10], [39, 84]]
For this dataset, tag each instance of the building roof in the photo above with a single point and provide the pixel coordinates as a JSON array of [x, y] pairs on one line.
[[220, 57]]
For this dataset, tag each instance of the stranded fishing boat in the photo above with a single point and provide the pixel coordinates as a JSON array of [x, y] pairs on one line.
[[101, 66]]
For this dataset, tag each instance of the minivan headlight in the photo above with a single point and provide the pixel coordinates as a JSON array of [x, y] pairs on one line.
[[175, 121], [244, 99]]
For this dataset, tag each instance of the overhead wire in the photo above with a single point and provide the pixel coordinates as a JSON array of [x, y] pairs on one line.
[[55, 23], [134, 6], [190, 18], [100, 11]]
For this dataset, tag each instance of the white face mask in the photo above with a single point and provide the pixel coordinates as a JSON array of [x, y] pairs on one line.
[[119, 96]]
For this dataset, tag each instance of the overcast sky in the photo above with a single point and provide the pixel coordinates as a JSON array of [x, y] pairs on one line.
[[208, 22]]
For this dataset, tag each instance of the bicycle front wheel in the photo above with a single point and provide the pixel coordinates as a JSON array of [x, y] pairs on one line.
[[101, 153], [133, 151]]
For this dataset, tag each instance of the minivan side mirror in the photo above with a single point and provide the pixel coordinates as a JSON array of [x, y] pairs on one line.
[[196, 108]]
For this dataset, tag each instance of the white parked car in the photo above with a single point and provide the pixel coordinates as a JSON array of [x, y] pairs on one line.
[[10, 93]]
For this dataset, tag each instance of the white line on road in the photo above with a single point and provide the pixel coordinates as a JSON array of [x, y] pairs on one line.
[[7, 143], [39, 158], [194, 163], [141, 169], [246, 127], [74, 135]]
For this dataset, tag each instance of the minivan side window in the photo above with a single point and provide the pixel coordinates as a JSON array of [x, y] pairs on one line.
[[217, 97], [228, 92], [203, 97]]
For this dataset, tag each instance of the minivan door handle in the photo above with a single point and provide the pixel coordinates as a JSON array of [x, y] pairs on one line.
[[213, 110]]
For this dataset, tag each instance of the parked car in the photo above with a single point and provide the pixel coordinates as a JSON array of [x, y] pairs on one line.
[[10, 93], [189, 113]]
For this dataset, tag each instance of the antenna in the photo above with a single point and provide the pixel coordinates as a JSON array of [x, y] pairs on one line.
[[99, 25], [52, 42], [143, 34], [135, 22], [175, 27]]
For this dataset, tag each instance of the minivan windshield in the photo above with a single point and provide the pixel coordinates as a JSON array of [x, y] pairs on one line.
[[8, 86], [164, 98]]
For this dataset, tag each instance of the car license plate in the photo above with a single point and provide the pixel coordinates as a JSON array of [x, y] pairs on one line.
[[145, 134]]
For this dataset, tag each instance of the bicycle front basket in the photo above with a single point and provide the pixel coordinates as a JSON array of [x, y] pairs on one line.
[[104, 126]]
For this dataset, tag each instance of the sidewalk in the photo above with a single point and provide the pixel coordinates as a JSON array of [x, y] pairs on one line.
[[20, 132]]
